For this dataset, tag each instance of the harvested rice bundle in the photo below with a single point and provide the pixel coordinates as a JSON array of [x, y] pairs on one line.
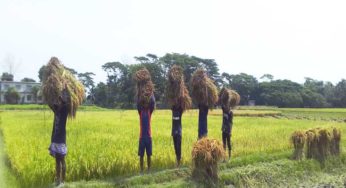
[[225, 98], [176, 74], [56, 79], [324, 142], [335, 145], [145, 87], [52, 88], [235, 99], [177, 93], [206, 154], [204, 91], [229, 98], [312, 136], [298, 139], [142, 76]]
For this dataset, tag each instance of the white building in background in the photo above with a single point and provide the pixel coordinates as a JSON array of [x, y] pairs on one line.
[[23, 88]]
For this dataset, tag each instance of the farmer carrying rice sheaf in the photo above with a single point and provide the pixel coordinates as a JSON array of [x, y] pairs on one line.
[[228, 99], [179, 100], [204, 93], [145, 107], [63, 94], [58, 147]]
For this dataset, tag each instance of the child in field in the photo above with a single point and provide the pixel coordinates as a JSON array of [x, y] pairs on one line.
[[145, 143], [203, 121], [58, 148], [177, 131], [227, 123]]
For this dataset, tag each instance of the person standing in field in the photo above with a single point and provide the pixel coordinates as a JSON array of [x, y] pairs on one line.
[[228, 100], [145, 107], [145, 142], [227, 122], [58, 148], [179, 100], [177, 112], [204, 93], [63, 94], [202, 120]]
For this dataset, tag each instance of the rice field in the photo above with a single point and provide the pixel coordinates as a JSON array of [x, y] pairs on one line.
[[104, 144]]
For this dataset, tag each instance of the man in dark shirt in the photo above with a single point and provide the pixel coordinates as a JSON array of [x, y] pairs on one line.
[[58, 148], [145, 143], [203, 121], [177, 131], [227, 122]]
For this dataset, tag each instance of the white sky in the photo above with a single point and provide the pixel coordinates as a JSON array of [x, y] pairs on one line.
[[288, 39]]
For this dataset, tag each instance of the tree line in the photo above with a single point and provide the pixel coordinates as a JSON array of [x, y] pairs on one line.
[[118, 91]]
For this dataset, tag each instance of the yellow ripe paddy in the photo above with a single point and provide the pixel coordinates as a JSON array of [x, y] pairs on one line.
[[103, 144]]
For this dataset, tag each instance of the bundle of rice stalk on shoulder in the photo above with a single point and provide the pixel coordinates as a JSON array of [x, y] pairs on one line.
[[176, 74], [145, 87], [206, 154], [204, 91], [142, 76], [56, 80], [177, 93], [235, 98], [229, 98], [335, 145], [225, 98], [312, 136], [298, 139]]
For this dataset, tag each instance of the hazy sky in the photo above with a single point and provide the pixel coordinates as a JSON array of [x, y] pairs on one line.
[[288, 39]]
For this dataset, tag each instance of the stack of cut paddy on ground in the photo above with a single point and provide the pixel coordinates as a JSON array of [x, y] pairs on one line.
[[298, 139], [335, 145], [322, 142], [56, 79], [229, 98], [145, 87], [206, 154], [204, 91], [177, 93]]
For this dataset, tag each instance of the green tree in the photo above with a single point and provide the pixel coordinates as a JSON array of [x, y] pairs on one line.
[[313, 99], [11, 96], [89, 84], [329, 93], [340, 94], [6, 77], [41, 72], [190, 64], [282, 93], [314, 85], [101, 95], [73, 71], [117, 74], [28, 80], [267, 77], [246, 85]]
